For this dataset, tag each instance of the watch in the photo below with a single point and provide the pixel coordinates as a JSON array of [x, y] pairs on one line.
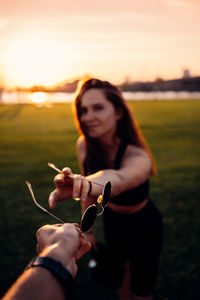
[[56, 268]]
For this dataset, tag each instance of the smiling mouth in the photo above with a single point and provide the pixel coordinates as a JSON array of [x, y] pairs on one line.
[[92, 126]]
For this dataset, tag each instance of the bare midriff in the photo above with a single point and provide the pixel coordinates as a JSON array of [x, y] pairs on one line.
[[121, 209]]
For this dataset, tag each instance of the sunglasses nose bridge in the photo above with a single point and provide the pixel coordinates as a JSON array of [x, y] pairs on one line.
[[99, 214]]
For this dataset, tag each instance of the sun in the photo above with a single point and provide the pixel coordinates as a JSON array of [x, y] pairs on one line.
[[36, 60], [38, 97]]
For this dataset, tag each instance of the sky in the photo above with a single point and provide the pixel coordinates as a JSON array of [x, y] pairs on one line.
[[45, 42]]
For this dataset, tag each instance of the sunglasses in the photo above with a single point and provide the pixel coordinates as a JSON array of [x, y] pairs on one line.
[[89, 216]]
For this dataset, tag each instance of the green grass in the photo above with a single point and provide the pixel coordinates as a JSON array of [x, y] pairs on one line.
[[30, 137]]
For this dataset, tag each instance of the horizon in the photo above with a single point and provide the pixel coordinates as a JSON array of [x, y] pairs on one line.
[[72, 80], [46, 45]]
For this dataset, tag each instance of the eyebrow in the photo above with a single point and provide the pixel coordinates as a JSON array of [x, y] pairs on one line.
[[93, 104]]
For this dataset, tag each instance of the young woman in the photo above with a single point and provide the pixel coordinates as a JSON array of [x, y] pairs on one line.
[[111, 147]]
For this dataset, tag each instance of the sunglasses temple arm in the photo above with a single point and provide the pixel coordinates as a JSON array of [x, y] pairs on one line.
[[54, 216], [70, 176], [38, 205]]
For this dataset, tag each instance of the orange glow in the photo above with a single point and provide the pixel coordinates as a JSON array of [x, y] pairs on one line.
[[38, 97], [42, 44], [35, 60]]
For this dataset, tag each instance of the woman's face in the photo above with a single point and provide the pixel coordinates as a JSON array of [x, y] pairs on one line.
[[98, 115]]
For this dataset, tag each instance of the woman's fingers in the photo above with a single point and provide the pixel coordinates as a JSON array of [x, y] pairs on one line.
[[67, 171], [63, 181], [59, 180], [81, 187], [53, 198], [68, 185], [77, 183], [84, 189]]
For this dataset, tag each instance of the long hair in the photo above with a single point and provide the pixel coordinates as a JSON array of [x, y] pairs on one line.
[[127, 127]]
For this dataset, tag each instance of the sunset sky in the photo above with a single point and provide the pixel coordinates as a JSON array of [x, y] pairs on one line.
[[46, 41]]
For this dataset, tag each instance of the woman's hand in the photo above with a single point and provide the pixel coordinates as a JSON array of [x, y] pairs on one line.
[[68, 185], [65, 243]]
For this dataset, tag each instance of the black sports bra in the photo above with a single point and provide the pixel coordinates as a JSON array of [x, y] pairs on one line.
[[132, 196]]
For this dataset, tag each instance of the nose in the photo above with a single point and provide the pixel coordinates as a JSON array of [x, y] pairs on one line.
[[88, 116]]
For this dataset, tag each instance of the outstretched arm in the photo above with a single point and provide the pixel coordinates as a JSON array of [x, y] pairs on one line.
[[135, 168], [63, 243]]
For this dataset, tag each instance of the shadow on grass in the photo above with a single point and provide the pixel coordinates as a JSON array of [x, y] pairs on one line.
[[10, 114]]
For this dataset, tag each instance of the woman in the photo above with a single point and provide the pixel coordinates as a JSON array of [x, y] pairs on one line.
[[111, 147]]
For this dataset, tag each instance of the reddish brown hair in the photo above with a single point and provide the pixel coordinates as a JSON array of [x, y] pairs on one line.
[[127, 128]]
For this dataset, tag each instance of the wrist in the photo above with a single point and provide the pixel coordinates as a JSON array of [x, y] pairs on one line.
[[62, 255], [57, 270], [94, 189]]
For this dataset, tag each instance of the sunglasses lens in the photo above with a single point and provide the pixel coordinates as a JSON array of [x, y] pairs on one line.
[[106, 194], [88, 218]]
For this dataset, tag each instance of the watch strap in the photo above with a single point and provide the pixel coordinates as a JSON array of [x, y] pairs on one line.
[[56, 268]]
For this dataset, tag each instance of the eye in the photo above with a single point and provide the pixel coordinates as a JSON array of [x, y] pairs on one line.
[[98, 107], [83, 110]]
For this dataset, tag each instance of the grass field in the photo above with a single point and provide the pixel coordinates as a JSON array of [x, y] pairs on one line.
[[31, 136]]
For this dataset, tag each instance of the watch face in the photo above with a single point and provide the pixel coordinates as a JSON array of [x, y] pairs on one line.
[[88, 218], [106, 194]]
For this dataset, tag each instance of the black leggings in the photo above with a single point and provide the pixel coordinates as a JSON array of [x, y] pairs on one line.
[[136, 238]]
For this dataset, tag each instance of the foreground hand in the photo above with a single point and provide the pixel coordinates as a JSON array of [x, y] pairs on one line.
[[62, 242], [68, 185], [91, 238]]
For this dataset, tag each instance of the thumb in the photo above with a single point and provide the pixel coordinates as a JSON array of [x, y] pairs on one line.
[[53, 198], [85, 247]]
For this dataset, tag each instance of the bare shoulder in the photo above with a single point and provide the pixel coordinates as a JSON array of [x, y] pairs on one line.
[[80, 142], [81, 148], [134, 152]]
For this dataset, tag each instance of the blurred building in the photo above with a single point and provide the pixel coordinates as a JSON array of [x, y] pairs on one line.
[[186, 73]]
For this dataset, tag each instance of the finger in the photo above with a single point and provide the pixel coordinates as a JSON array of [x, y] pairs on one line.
[[71, 228], [57, 225], [66, 171], [40, 231], [53, 199], [59, 179], [85, 186], [44, 231], [74, 235], [81, 234], [77, 181], [76, 224], [45, 236], [37, 234], [38, 249], [85, 247]]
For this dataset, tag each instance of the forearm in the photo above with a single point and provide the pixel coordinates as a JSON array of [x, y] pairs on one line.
[[97, 183], [121, 180], [101, 177], [36, 283], [50, 275]]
